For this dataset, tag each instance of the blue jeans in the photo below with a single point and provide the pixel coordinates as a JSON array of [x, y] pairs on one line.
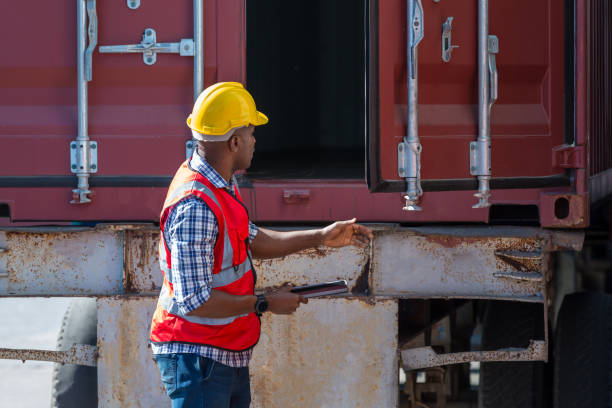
[[195, 381]]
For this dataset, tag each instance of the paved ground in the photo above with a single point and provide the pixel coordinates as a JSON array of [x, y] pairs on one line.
[[28, 323]]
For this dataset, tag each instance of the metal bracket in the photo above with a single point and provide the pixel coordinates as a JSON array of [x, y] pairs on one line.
[[83, 160], [479, 155], [133, 4], [149, 47], [423, 357], [569, 157], [409, 162], [447, 45], [83, 156]]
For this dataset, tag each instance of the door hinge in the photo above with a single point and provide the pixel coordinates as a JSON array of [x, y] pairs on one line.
[[568, 157]]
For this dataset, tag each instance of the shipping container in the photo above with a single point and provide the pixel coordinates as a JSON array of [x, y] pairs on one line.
[[473, 136]]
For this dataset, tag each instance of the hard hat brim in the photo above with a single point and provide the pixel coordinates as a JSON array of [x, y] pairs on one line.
[[260, 119]]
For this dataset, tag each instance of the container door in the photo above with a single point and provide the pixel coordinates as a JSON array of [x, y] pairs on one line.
[[136, 107], [526, 119]]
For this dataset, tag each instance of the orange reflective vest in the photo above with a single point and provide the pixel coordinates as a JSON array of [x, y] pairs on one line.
[[232, 270]]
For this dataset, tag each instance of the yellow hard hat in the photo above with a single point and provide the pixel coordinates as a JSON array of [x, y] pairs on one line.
[[222, 107]]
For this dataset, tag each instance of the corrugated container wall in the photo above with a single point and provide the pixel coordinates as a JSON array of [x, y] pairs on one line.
[[600, 95]]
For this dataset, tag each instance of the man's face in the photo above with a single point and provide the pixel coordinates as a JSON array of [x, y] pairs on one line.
[[246, 140]]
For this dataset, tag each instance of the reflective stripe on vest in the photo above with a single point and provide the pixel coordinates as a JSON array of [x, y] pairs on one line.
[[223, 278], [166, 301], [228, 254]]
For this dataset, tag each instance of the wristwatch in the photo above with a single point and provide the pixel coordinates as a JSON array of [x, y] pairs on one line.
[[261, 305]]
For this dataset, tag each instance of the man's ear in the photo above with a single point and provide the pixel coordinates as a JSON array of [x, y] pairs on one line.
[[233, 143]]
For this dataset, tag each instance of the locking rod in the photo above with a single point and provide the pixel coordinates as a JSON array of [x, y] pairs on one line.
[[85, 8]]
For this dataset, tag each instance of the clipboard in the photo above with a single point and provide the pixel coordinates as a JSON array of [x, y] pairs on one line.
[[321, 289]]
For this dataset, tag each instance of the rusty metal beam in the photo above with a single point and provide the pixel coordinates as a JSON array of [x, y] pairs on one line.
[[445, 262], [423, 357], [466, 262], [81, 354]]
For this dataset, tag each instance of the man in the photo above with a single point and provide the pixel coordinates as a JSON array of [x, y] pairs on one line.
[[206, 322]]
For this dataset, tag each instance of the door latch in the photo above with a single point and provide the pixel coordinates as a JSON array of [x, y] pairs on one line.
[[492, 48], [447, 45], [149, 47]]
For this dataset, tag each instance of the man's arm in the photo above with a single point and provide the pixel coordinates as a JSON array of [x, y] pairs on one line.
[[272, 244], [193, 231], [221, 304]]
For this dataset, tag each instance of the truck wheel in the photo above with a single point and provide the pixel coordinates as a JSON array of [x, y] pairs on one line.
[[76, 385], [512, 384], [583, 351]]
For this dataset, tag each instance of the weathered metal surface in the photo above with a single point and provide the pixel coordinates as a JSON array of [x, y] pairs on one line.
[[141, 261], [497, 262], [475, 262], [422, 357], [62, 262], [564, 210], [317, 265], [142, 274], [3, 273], [297, 362], [82, 354], [330, 353], [127, 374]]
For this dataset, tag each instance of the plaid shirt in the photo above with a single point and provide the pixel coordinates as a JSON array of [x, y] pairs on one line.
[[191, 232]]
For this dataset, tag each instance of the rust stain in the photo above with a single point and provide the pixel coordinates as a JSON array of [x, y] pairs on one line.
[[362, 283], [316, 252], [35, 251], [140, 261], [449, 241], [128, 265]]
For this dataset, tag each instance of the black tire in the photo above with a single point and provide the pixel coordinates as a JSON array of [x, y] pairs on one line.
[[513, 384], [583, 352], [75, 385]]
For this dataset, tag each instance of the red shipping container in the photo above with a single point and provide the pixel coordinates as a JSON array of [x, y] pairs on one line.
[[137, 111]]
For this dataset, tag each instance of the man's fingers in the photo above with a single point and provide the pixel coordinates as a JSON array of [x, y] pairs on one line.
[[347, 222], [362, 239], [360, 229], [358, 243]]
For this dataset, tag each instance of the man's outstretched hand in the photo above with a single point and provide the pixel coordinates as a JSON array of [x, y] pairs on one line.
[[343, 233]]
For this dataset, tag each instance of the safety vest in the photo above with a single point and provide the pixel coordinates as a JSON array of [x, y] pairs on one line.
[[232, 270]]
